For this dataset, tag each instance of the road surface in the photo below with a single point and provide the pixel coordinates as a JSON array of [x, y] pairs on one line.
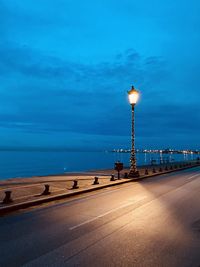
[[154, 222]]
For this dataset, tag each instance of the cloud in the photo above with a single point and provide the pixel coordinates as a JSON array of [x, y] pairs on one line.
[[169, 122], [64, 69], [53, 94]]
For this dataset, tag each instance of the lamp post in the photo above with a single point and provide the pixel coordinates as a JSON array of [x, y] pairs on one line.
[[133, 96]]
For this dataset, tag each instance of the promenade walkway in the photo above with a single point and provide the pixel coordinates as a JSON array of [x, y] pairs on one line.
[[30, 191]]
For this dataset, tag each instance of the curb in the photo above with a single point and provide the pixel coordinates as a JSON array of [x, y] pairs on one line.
[[27, 204], [31, 203], [161, 173]]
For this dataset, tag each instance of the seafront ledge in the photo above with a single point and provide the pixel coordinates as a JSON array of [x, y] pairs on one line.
[[19, 193]]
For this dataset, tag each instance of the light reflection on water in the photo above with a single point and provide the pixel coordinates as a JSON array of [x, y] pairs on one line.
[[26, 164]]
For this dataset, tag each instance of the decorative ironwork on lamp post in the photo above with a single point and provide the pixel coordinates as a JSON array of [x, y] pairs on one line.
[[133, 96]]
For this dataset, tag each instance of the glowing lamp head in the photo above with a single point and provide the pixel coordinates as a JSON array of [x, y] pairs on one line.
[[133, 96]]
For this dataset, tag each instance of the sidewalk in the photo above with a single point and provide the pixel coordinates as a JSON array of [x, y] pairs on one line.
[[26, 192]]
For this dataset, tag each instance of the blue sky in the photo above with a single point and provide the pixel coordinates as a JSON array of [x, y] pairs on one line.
[[66, 66]]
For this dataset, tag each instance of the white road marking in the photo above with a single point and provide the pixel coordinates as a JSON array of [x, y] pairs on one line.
[[193, 176], [106, 213]]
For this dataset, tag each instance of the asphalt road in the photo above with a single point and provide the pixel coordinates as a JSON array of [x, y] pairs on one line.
[[154, 222]]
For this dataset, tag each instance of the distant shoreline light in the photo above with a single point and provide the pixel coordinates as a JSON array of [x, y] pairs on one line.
[[160, 151]]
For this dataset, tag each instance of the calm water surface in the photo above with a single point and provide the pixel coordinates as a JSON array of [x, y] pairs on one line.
[[27, 164]]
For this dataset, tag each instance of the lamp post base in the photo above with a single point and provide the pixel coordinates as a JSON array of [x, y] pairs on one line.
[[133, 174]]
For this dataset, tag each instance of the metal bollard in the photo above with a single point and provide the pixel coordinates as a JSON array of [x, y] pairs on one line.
[[112, 177], [96, 180], [154, 170], [46, 190], [125, 175], [160, 170], [146, 172], [75, 185], [118, 175], [7, 198]]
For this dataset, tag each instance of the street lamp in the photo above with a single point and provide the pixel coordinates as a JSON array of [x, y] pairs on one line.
[[133, 96]]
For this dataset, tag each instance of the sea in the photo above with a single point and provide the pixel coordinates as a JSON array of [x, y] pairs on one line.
[[16, 164]]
